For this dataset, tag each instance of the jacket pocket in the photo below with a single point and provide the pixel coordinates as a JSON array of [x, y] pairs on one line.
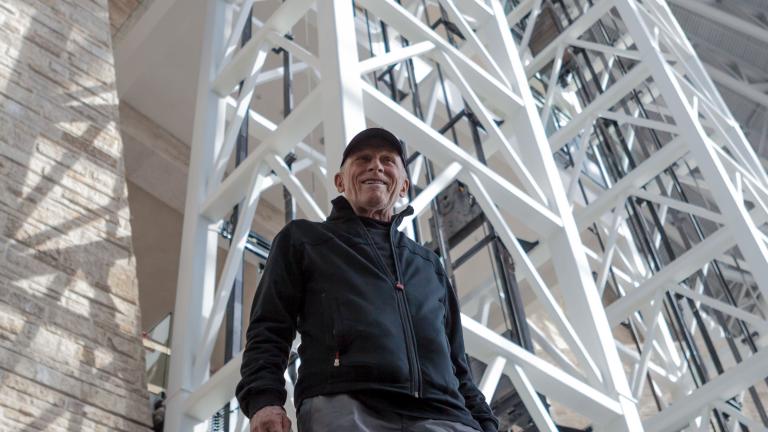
[[448, 351], [348, 347], [338, 331]]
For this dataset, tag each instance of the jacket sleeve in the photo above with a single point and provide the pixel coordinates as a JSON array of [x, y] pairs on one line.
[[272, 328], [473, 398]]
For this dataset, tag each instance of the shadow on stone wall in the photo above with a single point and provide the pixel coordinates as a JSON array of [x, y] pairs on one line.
[[70, 350]]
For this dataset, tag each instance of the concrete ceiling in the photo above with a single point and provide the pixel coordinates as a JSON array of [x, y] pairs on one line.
[[157, 63]]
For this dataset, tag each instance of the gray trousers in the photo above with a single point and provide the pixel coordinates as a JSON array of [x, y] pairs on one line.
[[342, 413]]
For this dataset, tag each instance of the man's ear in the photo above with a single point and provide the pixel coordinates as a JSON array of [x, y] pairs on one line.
[[338, 180], [404, 189]]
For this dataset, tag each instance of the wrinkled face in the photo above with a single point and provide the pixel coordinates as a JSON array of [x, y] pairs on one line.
[[373, 178]]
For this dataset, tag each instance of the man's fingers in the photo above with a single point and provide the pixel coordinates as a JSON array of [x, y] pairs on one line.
[[274, 424], [270, 419], [266, 425]]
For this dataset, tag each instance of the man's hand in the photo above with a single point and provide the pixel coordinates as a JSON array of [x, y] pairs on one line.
[[270, 419]]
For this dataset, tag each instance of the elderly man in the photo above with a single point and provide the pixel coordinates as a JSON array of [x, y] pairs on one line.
[[381, 341]]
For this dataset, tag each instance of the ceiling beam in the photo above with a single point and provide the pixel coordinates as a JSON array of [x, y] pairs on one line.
[[723, 387], [724, 18], [743, 88]]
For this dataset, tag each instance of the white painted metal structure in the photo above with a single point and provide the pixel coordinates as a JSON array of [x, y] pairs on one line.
[[581, 360], [731, 39]]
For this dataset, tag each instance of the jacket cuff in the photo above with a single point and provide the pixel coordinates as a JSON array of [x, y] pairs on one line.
[[258, 400], [489, 426]]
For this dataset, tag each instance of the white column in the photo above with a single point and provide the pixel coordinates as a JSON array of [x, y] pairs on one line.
[[583, 304], [194, 293], [731, 205], [340, 80]]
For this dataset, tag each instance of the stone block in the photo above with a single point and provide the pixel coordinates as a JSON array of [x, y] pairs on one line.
[[71, 356]]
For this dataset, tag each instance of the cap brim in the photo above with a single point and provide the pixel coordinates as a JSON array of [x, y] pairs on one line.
[[365, 137]]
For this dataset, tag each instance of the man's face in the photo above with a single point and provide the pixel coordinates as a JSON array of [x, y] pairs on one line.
[[373, 178]]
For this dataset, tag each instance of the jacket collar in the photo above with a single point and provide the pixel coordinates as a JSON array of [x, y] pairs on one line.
[[342, 210]]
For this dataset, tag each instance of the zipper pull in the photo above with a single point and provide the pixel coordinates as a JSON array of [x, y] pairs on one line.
[[400, 286], [336, 361]]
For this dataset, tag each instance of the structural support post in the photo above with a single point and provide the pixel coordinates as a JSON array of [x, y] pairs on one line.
[[585, 308], [497, 90], [194, 293], [342, 94], [730, 203]]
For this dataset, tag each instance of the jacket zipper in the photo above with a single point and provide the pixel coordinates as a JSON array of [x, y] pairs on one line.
[[402, 308], [405, 316], [417, 379]]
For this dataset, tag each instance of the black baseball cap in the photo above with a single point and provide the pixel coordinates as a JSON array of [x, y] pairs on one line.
[[369, 134]]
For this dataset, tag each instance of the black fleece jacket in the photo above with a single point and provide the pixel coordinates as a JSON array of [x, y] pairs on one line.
[[362, 328]]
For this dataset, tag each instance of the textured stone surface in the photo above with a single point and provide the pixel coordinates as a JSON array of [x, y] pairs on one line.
[[70, 349], [121, 12]]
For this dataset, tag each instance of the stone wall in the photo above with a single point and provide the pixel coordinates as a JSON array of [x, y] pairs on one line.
[[70, 350], [121, 13]]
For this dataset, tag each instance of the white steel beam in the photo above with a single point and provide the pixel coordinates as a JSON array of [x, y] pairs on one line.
[[194, 293], [531, 400], [691, 140], [295, 49], [491, 377], [342, 110], [569, 260], [203, 403], [232, 265], [739, 86], [639, 176], [685, 264], [236, 33], [486, 76], [433, 189], [720, 389], [292, 130], [495, 93], [489, 123], [237, 68], [584, 22], [297, 190], [485, 345], [733, 209], [618, 90], [428, 141], [242, 107], [395, 56], [546, 299]]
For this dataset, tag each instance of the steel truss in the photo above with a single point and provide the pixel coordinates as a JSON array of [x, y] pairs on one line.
[[606, 142]]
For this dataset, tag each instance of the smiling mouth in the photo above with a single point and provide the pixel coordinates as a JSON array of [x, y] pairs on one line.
[[374, 182]]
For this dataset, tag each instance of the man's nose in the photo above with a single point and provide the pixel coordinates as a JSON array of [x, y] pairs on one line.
[[375, 165]]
